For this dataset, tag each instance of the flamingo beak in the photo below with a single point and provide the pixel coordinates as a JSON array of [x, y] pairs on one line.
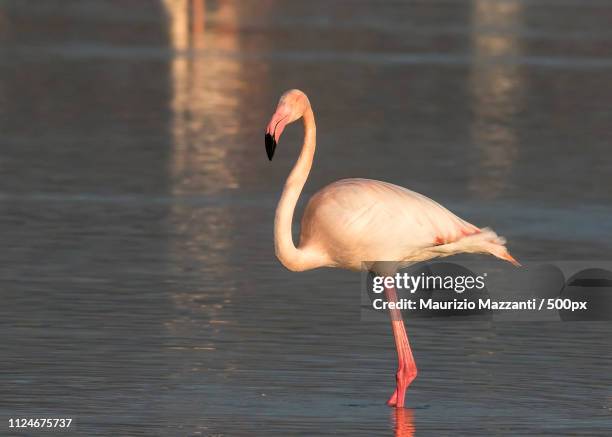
[[270, 146], [274, 130]]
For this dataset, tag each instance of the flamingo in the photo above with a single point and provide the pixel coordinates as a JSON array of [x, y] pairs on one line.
[[351, 221]]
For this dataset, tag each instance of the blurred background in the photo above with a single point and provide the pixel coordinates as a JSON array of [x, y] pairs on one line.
[[140, 292]]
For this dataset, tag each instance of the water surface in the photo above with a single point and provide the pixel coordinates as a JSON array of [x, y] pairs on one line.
[[140, 292]]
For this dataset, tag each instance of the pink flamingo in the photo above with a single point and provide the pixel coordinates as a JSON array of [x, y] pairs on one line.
[[355, 220]]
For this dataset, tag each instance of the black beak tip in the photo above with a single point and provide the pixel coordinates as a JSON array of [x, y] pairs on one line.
[[270, 146]]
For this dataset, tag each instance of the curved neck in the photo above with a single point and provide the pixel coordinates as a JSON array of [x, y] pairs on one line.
[[292, 257]]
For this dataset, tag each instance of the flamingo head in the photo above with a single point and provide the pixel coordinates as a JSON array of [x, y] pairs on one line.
[[291, 107]]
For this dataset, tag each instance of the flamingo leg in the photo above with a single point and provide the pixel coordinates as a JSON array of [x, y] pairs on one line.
[[407, 370]]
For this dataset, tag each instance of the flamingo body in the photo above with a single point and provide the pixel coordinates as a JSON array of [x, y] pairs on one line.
[[357, 220]]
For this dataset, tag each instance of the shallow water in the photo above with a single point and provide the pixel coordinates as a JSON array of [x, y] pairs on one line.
[[140, 292]]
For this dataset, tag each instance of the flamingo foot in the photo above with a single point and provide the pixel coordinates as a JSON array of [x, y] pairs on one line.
[[403, 382], [392, 402]]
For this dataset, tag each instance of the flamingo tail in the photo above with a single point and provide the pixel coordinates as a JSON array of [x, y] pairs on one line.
[[486, 241]]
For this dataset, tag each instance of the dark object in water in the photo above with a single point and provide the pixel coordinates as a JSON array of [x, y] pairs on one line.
[[593, 286]]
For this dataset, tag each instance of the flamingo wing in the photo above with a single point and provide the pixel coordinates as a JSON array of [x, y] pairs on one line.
[[356, 220]]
